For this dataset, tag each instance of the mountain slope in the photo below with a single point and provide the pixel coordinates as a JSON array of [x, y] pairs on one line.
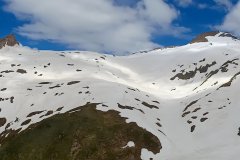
[[185, 96], [85, 134]]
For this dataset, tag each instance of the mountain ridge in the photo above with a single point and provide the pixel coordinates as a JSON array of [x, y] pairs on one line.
[[185, 96], [203, 37], [10, 40]]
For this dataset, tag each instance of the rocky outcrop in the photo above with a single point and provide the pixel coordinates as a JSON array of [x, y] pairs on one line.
[[228, 35], [9, 40], [202, 37]]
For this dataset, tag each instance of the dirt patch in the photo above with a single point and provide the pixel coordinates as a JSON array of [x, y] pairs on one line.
[[129, 108], [2, 121], [26, 122], [45, 83], [185, 113], [34, 113], [195, 110], [7, 71], [56, 86], [4, 89], [206, 113], [49, 113], [190, 104], [73, 82], [22, 71], [203, 119], [191, 74], [149, 105], [193, 128], [59, 109], [229, 83]]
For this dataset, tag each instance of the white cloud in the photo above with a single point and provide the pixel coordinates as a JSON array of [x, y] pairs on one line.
[[225, 3], [202, 6], [232, 21], [218, 4], [98, 25], [184, 3]]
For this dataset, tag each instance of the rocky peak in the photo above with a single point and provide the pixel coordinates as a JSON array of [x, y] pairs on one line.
[[226, 34], [203, 37], [9, 40]]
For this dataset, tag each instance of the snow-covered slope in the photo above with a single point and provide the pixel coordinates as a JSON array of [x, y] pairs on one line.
[[186, 96]]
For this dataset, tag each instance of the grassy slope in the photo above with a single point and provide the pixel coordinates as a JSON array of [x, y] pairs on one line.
[[83, 135]]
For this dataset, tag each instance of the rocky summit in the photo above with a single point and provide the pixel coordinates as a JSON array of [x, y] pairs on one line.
[[9, 40]]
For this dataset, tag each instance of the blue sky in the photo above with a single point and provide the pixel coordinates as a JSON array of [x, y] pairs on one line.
[[115, 25]]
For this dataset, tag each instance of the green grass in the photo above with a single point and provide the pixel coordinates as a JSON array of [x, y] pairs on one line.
[[84, 135]]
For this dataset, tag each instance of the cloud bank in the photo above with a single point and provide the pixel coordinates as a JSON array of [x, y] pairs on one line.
[[101, 25], [232, 20], [225, 3], [184, 3]]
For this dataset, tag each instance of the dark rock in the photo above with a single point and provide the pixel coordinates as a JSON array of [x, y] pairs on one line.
[[149, 105], [72, 82], [202, 37], [203, 119], [26, 122], [193, 128], [2, 121], [228, 35], [22, 71], [34, 113], [9, 40]]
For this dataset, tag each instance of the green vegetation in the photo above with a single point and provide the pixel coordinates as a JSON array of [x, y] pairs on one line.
[[88, 134]]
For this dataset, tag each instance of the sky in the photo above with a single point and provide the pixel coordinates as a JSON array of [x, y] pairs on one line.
[[115, 26]]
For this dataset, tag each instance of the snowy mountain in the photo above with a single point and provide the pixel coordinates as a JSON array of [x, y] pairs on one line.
[[184, 98]]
